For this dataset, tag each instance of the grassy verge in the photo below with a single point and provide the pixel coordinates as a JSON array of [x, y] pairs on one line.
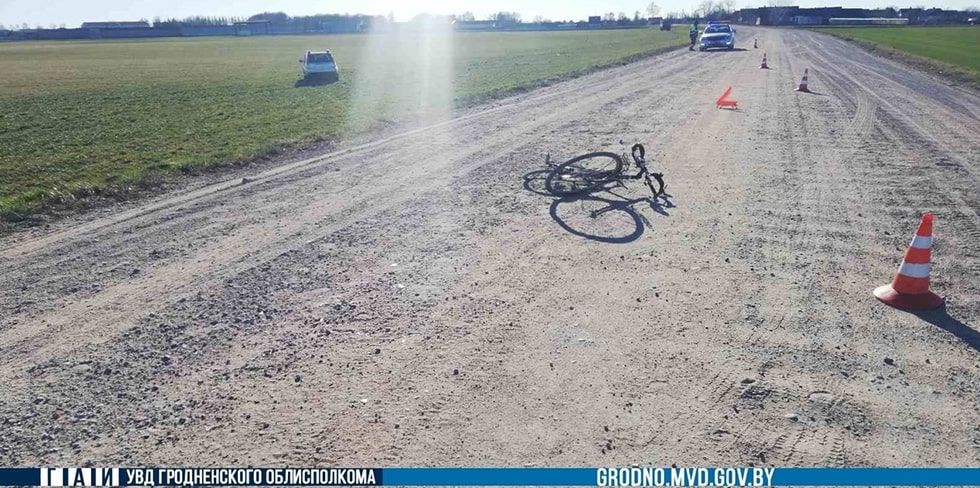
[[952, 52], [99, 118]]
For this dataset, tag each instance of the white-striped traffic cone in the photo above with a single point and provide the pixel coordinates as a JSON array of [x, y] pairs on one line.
[[803, 87], [764, 64], [910, 288]]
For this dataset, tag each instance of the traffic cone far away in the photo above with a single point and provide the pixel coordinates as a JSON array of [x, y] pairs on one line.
[[910, 288], [803, 87], [764, 65]]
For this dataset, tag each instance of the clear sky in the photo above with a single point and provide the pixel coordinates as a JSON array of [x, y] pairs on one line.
[[74, 12]]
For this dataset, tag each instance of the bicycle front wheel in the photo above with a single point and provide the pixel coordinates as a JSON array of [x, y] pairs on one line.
[[584, 174]]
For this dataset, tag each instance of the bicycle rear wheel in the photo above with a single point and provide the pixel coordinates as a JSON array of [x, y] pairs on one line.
[[584, 174]]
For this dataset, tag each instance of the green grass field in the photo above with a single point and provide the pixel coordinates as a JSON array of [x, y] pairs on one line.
[[954, 46], [77, 118]]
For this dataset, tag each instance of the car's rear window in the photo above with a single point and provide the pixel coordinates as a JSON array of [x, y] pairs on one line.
[[320, 58]]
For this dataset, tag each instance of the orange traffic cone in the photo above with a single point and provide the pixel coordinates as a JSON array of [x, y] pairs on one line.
[[910, 288], [764, 65], [803, 87]]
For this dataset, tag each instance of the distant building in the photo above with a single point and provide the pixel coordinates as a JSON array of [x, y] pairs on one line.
[[794, 15], [470, 25], [253, 27], [767, 15], [911, 13], [115, 25], [113, 30]]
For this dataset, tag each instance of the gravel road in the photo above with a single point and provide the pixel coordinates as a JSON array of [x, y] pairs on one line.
[[416, 300]]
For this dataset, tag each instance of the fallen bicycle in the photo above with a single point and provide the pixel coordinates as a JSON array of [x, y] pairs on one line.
[[597, 171]]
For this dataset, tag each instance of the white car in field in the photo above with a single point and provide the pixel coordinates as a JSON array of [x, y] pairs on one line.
[[320, 64]]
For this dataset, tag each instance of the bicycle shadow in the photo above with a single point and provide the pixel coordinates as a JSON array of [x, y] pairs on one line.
[[592, 217], [606, 215], [534, 182]]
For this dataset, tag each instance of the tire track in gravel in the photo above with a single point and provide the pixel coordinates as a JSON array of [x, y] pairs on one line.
[[940, 95], [964, 130], [841, 76], [840, 137], [750, 406], [946, 138]]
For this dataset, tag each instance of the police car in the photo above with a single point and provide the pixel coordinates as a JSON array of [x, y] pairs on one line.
[[717, 35]]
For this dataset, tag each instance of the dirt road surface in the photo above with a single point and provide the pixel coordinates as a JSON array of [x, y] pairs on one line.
[[416, 300]]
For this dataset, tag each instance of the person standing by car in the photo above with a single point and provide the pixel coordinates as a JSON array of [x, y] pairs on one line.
[[694, 34]]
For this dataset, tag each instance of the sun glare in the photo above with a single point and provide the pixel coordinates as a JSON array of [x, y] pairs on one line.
[[407, 69]]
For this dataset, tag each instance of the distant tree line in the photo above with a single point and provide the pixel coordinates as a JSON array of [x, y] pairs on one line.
[[196, 20], [306, 22], [314, 22], [25, 26], [506, 17]]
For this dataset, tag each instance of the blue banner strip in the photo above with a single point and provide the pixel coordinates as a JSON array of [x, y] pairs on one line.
[[876, 477], [588, 476], [20, 476], [489, 476], [606, 476]]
